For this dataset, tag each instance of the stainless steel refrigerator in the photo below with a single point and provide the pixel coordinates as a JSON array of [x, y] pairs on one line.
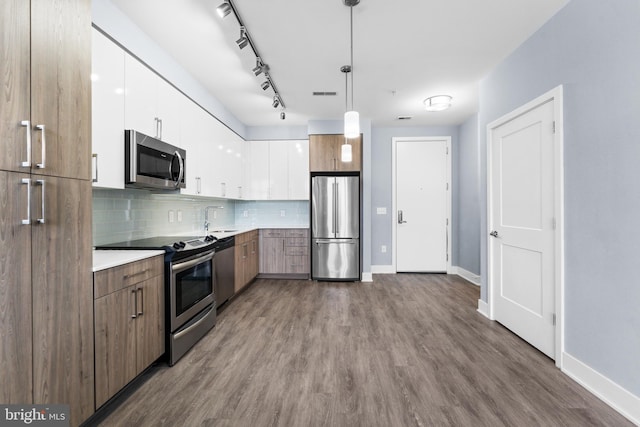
[[335, 228]]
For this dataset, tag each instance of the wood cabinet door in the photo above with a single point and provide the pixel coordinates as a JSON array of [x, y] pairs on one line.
[[61, 88], [240, 256], [15, 291], [325, 152], [272, 255], [63, 294], [115, 342], [14, 75], [150, 321]]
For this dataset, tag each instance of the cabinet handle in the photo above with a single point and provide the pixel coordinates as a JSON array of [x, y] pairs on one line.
[[27, 124], [44, 146], [135, 303], [42, 183], [223, 189], [139, 273], [158, 127], [198, 185], [245, 253], [240, 192], [141, 311], [94, 157], [160, 137], [27, 181]]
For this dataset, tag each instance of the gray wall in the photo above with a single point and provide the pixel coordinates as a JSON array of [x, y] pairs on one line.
[[466, 218], [592, 47], [382, 180]]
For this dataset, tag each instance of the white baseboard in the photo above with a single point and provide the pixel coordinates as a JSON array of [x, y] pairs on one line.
[[467, 275], [483, 308], [620, 399], [383, 269], [366, 277]]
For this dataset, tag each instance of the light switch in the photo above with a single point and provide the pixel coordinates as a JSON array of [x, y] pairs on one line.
[[172, 216], [179, 215], [381, 211]]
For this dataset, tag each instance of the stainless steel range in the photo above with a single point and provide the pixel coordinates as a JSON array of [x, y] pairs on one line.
[[189, 287]]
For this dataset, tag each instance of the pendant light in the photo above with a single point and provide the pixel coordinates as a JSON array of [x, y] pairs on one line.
[[351, 117]]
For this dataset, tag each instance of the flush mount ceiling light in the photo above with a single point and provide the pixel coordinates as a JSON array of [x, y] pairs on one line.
[[351, 117], [437, 103], [223, 10]]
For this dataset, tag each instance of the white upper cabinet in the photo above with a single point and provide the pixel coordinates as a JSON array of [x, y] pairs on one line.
[[107, 110], [278, 170], [298, 169], [141, 98]]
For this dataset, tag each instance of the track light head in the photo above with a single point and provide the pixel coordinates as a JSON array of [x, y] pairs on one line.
[[224, 9], [283, 115], [265, 85], [276, 101], [243, 41]]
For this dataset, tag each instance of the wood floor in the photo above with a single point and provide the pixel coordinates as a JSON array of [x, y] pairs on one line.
[[405, 350]]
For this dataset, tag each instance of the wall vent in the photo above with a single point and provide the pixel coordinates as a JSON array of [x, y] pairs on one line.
[[404, 117], [325, 93]]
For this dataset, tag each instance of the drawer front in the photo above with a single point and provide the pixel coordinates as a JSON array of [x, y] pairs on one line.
[[273, 232], [116, 278], [296, 250], [296, 241], [298, 232], [297, 264]]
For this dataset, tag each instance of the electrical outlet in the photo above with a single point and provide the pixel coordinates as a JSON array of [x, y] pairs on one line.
[[283, 213], [381, 211], [383, 249], [215, 214], [172, 216], [245, 214], [179, 215]]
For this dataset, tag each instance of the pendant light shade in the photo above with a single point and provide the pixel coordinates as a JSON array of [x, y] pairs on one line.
[[346, 153], [351, 124]]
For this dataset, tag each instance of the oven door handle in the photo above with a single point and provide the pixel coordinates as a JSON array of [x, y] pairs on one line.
[[193, 262], [195, 325]]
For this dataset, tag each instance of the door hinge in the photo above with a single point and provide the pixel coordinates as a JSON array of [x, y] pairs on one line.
[[447, 221], [447, 186], [447, 150], [554, 223], [554, 127], [553, 319]]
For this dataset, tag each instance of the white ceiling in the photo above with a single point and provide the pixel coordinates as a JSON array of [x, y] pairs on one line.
[[404, 52]]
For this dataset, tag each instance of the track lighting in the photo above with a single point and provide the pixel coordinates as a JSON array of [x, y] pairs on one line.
[[282, 115], [223, 10], [243, 41]]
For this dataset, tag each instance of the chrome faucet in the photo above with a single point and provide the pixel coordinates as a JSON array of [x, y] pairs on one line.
[[206, 216]]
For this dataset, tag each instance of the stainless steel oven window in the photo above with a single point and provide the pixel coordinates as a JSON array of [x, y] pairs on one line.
[[191, 288]]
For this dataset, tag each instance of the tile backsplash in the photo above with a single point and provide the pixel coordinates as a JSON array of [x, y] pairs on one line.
[[120, 215]]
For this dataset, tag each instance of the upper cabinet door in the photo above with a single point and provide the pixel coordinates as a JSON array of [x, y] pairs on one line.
[[61, 87], [278, 170], [299, 170], [107, 107], [141, 98], [14, 72], [325, 153]]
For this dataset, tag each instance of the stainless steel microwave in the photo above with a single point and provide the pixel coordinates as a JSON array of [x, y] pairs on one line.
[[153, 164]]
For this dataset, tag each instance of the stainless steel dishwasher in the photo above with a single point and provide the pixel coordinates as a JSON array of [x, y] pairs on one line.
[[224, 269]]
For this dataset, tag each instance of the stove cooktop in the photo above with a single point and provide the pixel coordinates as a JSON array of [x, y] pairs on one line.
[[169, 244]]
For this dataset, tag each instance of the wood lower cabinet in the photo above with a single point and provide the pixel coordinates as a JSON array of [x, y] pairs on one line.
[[246, 262], [129, 323], [325, 154], [284, 252]]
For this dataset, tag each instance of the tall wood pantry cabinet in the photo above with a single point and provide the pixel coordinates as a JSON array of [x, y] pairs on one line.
[[46, 335]]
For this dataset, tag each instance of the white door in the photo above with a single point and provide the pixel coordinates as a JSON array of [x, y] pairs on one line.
[[522, 226], [421, 205]]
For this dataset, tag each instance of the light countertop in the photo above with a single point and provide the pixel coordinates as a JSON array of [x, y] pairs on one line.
[[103, 259]]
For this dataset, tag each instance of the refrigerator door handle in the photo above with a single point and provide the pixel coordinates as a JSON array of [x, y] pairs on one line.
[[337, 223], [334, 194]]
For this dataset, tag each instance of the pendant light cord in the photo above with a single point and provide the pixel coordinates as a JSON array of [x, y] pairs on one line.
[[351, 26]]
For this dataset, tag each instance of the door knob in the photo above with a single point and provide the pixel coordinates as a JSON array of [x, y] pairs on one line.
[[494, 233]]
